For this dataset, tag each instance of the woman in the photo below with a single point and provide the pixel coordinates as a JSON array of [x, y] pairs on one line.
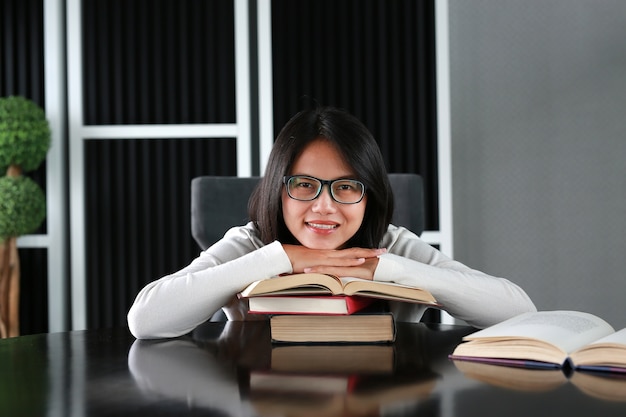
[[324, 205]]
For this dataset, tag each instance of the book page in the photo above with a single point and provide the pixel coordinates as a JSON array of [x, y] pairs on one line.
[[386, 290], [568, 330], [374, 284], [305, 283], [346, 280], [615, 338]]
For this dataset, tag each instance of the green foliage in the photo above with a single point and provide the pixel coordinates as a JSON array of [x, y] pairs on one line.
[[24, 142], [24, 133], [22, 206]]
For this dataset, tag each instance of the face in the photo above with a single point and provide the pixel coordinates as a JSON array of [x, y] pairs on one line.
[[322, 223]]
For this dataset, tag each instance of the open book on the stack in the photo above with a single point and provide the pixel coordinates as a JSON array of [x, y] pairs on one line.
[[324, 284], [315, 293], [548, 339]]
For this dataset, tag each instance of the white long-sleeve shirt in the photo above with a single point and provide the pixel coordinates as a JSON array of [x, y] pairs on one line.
[[177, 303]]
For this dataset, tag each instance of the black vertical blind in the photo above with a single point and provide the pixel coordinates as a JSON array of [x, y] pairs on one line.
[[158, 61], [150, 62], [138, 222]]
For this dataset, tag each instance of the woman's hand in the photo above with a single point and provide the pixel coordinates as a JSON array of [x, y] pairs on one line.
[[365, 270], [352, 262]]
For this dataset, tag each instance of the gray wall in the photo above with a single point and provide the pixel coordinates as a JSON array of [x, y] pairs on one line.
[[538, 108]]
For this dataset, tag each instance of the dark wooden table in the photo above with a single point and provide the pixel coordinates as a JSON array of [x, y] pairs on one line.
[[233, 370]]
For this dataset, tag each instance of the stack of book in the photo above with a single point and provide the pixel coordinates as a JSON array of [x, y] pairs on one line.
[[318, 308]]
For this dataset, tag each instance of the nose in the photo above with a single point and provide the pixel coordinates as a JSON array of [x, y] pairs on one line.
[[324, 204]]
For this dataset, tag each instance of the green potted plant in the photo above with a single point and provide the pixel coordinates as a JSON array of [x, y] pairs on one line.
[[24, 143]]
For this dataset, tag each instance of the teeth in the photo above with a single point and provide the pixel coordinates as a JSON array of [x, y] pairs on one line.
[[322, 226]]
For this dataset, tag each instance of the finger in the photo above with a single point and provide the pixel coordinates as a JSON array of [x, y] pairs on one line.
[[340, 262], [326, 266]]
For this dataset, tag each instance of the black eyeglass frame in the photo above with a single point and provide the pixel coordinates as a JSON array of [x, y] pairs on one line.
[[330, 183]]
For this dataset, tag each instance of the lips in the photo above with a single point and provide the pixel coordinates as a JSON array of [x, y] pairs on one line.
[[322, 226]]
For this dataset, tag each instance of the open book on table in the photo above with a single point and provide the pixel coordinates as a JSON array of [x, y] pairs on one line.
[[320, 284], [548, 339]]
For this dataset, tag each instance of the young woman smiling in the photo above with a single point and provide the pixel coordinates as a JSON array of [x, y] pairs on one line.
[[324, 205]]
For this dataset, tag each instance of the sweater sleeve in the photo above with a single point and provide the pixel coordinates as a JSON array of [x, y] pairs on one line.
[[175, 304], [467, 294]]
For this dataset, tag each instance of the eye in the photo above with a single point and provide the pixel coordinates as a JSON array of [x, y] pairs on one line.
[[304, 183], [346, 187]]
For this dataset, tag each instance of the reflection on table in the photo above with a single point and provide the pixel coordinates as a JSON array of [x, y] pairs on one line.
[[602, 385], [232, 369], [219, 372]]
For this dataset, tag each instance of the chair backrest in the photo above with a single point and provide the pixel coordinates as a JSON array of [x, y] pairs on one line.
[[219, 203]]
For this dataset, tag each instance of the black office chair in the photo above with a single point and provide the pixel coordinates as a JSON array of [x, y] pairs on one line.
[[219, 203]]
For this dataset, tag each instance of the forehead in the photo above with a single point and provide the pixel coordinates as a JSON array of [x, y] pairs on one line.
[[321, 159]]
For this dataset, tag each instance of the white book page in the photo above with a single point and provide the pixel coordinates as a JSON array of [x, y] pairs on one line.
[[618, 337], [346, 280], [568, 330]]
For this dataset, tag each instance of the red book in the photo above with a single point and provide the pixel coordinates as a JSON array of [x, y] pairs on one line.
[[308, 304]]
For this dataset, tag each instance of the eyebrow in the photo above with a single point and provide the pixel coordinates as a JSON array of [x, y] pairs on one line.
[[342, 177]]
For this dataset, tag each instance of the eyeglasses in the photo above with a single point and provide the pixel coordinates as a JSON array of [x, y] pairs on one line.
[[305, 188]]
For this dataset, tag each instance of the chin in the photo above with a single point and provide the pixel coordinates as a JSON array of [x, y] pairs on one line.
[[324, 245]]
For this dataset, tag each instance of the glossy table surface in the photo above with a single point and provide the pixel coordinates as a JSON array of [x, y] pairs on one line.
[[232, 369]]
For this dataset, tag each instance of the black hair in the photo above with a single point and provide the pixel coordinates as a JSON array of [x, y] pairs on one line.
[[357, 147]]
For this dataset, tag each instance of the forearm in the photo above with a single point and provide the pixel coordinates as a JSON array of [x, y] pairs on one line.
[[176, 304], [477, 298]]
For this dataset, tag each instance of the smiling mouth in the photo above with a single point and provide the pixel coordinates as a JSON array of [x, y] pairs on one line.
[[322, 226]]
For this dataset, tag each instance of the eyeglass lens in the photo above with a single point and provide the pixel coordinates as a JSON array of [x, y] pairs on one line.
[[308, 188]]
